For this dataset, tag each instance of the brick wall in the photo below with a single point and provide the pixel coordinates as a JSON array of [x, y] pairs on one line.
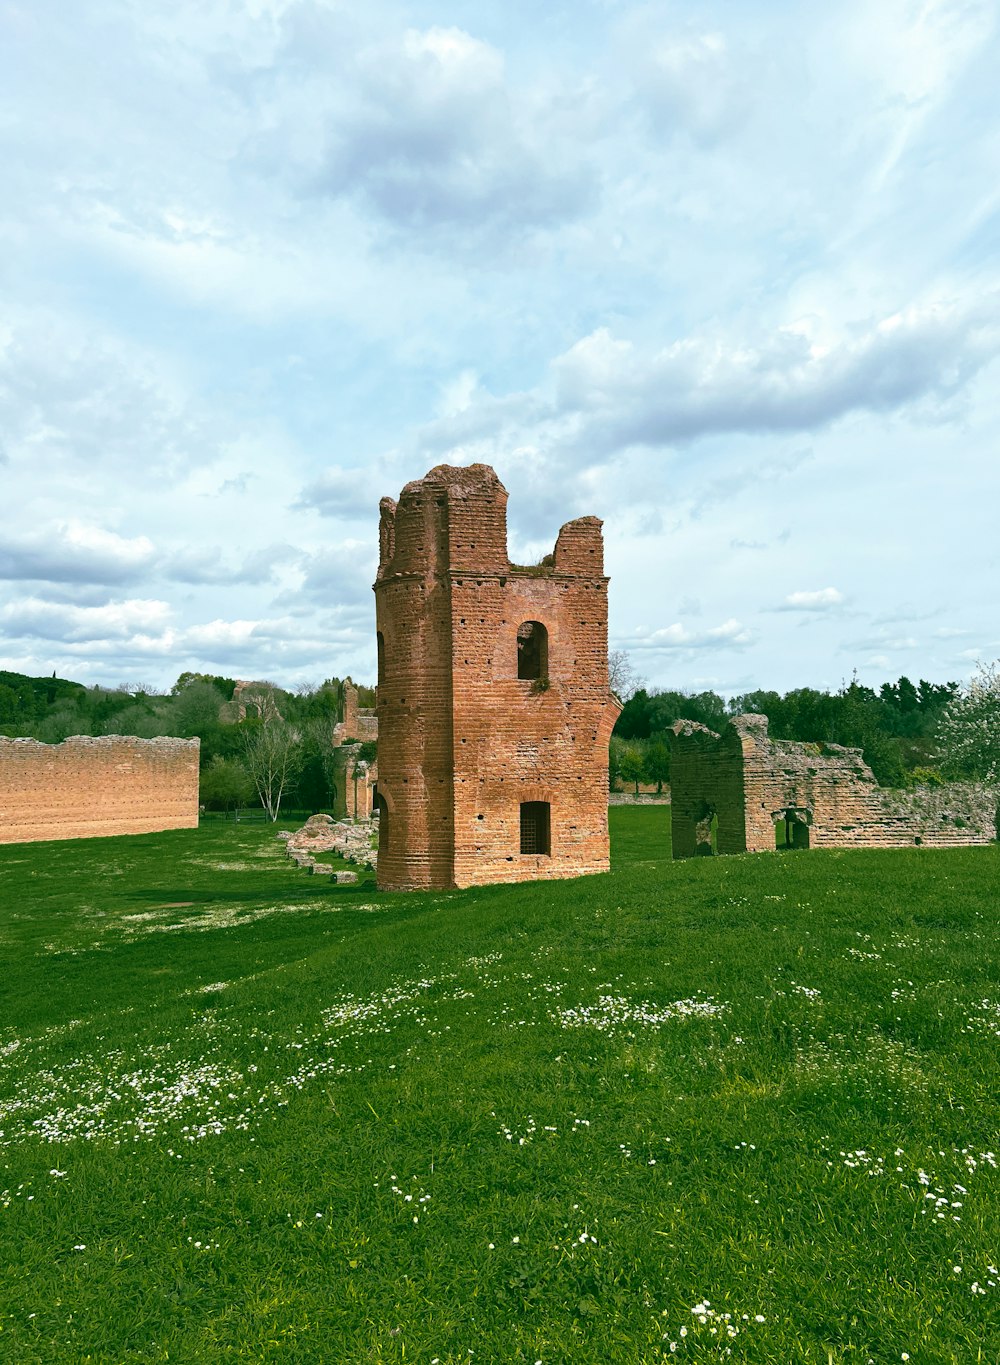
[[748, 781], [83, 787], [463, 741]]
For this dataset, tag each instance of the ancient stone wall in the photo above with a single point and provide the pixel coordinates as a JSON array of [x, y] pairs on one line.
[[359, 723], [706, 781], [354, 779], [83, 787], [493, 699], [827, 794]]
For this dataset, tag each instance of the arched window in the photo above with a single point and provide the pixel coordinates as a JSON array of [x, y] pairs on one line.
[[380, 809], [380, 644], [532, 651]]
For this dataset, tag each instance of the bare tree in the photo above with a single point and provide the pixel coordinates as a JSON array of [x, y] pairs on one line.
[[622, 677], [272, 753]]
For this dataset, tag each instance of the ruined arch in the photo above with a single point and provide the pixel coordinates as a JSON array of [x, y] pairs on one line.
[[796, 821]]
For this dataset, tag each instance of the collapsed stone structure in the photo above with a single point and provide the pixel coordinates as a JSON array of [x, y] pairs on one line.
[[84, 787], [250, 699], [351, 840], [826, 794], [494, 711]]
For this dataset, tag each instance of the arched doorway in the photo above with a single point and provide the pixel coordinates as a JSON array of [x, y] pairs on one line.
[[791, 827]]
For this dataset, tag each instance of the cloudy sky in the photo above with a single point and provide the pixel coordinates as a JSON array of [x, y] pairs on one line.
[[724, 275]]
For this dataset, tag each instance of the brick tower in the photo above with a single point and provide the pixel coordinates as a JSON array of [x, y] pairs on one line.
[[494, 711]]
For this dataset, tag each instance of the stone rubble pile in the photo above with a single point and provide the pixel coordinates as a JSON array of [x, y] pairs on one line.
[[351, 840]]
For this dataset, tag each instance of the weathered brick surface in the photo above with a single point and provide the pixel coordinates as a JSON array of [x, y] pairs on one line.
[[354, 780], [360, 722], [749, 780], [463, 741], [83, 787]]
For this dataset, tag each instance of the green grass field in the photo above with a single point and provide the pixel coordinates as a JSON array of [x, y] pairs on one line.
[[737, 1109]]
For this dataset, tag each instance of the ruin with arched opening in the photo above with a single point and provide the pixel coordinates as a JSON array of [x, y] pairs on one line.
[[815, 795]]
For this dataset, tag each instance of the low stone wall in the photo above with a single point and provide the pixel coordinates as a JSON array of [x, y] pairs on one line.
[[643, 799], [86, 788]]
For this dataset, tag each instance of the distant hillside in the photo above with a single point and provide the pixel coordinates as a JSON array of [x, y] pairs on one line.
[[52, 708], [24, 700]]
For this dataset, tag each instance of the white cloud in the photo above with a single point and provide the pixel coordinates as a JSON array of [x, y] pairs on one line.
[[686, 83], [77, 552], [132, 619], [916, 51], [425, 131], [611, 394], [780, 382], [729, 634], [74, 400], [820, 599]]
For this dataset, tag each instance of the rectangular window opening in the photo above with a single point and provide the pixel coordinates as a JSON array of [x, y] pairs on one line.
[[535, 828]]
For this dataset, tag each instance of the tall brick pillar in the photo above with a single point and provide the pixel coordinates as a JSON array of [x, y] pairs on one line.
[[494, 712]]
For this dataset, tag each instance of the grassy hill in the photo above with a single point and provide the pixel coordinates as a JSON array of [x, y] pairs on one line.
[[739, 1109]]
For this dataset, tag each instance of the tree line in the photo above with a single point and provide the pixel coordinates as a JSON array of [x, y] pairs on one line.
[[905, 730]]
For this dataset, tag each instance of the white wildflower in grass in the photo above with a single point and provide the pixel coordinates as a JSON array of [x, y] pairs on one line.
[[712, 1329], [614, 1012], [810, 992]]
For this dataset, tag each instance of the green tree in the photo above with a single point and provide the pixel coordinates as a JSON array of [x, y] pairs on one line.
[[194, 709], [634, 721], [226, 784], [656, 765], [631, 764]]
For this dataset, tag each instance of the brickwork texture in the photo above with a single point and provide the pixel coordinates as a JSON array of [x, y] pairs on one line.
[[826, 793], [465, 743], [354, 781], [83, 787]]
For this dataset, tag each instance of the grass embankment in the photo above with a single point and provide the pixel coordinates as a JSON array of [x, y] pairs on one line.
[[246, 1115]]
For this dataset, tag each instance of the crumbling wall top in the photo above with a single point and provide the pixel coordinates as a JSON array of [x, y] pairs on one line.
[[686, 729], [453, 519], [580, 548], [751, 725], [166, 743], [460, 481]]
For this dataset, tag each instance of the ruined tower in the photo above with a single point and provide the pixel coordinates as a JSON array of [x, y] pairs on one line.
[[494, 712]]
